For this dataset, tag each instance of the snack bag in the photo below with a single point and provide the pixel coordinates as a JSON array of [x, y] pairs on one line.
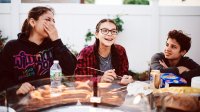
[[170, 78]]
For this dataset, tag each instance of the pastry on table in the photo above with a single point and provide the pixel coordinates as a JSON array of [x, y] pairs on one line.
[[83, 85], [178, 98]]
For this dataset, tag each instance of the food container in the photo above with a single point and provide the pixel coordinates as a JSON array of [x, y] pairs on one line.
[[168, 79], [177, 99]]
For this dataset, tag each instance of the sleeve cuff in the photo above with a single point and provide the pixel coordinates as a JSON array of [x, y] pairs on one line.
[[57, 43], [99, 79]]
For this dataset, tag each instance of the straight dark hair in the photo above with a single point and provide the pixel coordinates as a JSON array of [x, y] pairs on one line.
[[114, 53], [103, 21], [34, 13]]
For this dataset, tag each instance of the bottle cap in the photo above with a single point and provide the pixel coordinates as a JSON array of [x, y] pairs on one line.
[[156, 71], [55, 61]]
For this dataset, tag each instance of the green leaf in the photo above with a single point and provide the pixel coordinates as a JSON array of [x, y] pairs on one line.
[[2, 41], [89, 1], [141, 2], [119, 22], [88, 36]]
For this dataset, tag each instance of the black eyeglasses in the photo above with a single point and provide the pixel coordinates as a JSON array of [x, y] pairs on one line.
[[105, 31]]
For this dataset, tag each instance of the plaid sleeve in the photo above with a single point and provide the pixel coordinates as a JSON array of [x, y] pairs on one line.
[[124, 62], [81, 63], [85, 60]]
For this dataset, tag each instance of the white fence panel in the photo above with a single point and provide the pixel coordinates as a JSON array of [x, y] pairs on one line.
[[145, 27]]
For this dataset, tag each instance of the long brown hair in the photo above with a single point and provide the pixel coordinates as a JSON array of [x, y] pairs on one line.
[[114, 52], [34, 13], [103, 21]]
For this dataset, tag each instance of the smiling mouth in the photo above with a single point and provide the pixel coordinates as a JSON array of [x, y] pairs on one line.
[[108, 39], [167, 54]]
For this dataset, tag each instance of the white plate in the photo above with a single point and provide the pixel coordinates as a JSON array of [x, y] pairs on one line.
[[138, 87], [4, 109]]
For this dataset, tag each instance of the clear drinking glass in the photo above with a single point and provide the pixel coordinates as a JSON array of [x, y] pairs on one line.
[[155, 80], [3, 102]]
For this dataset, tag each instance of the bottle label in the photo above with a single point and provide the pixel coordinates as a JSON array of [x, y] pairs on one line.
[[55, 75]]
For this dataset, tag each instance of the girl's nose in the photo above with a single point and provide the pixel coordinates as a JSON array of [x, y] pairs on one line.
[[109, 33], [52, 22], [167, 48]]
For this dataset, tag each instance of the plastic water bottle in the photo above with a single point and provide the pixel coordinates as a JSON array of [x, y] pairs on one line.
[[56, 77]]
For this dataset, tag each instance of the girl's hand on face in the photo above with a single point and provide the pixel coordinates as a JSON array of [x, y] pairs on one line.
[[25, 88], [163, 63], [126, 79], [50, 28], [109, 76]]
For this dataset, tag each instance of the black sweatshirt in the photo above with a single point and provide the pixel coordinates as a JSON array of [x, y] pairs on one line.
[[184, 61], [22, 60]]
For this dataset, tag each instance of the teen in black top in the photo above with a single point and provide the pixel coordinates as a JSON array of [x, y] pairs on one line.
[[172, 60], [31, 55]]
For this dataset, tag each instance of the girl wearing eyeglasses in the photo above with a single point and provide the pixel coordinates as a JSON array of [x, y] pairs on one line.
[[105, 59]]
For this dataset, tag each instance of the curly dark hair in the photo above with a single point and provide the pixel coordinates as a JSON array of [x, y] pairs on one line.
[[183, 40]]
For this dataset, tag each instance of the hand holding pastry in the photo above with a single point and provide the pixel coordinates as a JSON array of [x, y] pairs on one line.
[[126, 79], [25, 88], [109, 76]]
